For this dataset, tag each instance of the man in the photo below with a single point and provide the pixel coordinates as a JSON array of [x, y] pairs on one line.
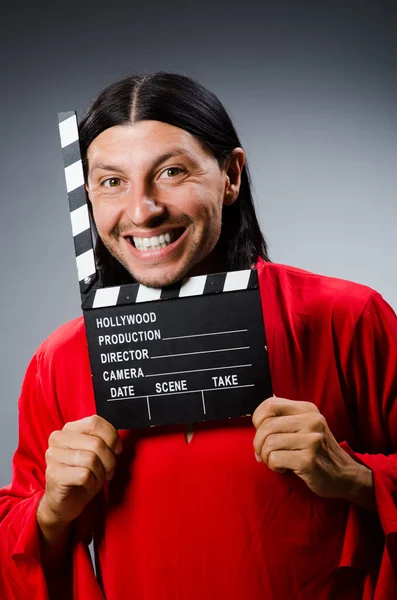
[[179, 513]]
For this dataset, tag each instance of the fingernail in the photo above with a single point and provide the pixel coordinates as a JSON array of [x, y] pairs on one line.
[[258, 458], [119, 447], [110, 476]]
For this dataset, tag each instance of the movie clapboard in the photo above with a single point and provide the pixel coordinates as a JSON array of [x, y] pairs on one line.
[[193, 351]]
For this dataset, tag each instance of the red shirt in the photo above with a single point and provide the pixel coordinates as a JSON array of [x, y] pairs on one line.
[[205, 520]]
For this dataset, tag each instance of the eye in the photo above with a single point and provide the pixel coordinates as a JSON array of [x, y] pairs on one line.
[[112, 182], [171, 172]]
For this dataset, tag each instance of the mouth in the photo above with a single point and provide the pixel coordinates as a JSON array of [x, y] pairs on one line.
[[156, 243]]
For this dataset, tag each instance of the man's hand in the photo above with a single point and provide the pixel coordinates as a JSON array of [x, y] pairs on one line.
[[79, 460], [294, 435]]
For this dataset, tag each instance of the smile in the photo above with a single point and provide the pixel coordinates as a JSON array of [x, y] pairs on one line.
[[155, 242]]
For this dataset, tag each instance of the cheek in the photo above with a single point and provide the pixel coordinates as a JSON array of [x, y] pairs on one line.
[[106, 217], [204, 203]]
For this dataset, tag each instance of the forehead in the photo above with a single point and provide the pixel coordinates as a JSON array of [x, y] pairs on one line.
[[143, 141]]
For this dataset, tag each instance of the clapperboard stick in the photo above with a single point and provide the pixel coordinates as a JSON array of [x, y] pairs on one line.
[[79, 213]]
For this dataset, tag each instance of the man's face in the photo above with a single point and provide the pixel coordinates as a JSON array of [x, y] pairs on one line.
[[157, 195]]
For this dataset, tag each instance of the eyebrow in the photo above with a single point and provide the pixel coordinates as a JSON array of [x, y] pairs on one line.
[[173, 152]]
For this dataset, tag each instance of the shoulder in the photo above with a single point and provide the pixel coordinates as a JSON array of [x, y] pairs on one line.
[[313, 294], [67, 341], [59, 376]]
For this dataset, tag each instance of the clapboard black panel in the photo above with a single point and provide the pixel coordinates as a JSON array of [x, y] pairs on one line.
[[179, 360]]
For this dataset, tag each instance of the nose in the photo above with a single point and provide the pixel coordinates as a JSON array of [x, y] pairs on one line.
[[143, 207]]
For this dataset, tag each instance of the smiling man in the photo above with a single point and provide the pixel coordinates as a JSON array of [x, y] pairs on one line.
[[298, 502], [160, 221]]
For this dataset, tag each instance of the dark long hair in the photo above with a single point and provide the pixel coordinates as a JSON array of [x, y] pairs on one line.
[[183, 102]]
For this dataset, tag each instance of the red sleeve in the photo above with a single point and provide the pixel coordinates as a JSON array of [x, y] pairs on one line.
[[21, 575], [371, 374]]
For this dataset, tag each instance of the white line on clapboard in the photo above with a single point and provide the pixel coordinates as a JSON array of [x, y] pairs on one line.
[[182, 337], [198, 370], [202, 352], [148, 407], [230, 387], [204, 409]]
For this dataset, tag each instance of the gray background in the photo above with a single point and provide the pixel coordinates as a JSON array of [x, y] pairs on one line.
[[311, 87]]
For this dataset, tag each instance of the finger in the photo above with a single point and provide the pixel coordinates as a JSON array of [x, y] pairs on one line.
[[298, 461], [301, 423], [59, 475], [98, 427], [274, 407], [288, 441], [84, 442], [78, 458]]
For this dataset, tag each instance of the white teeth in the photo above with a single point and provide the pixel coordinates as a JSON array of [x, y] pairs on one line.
[[155, 242]]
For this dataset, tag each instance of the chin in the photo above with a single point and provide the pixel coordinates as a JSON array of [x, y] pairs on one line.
[[160, 279], [160, 275]]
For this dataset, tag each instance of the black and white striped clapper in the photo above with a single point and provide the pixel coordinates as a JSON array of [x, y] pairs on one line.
[[193, 351], [79, 214]]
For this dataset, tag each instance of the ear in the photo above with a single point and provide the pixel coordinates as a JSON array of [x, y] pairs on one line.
[[233, 167]]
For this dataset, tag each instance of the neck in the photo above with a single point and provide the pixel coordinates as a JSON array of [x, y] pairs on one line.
[[215, 262]]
